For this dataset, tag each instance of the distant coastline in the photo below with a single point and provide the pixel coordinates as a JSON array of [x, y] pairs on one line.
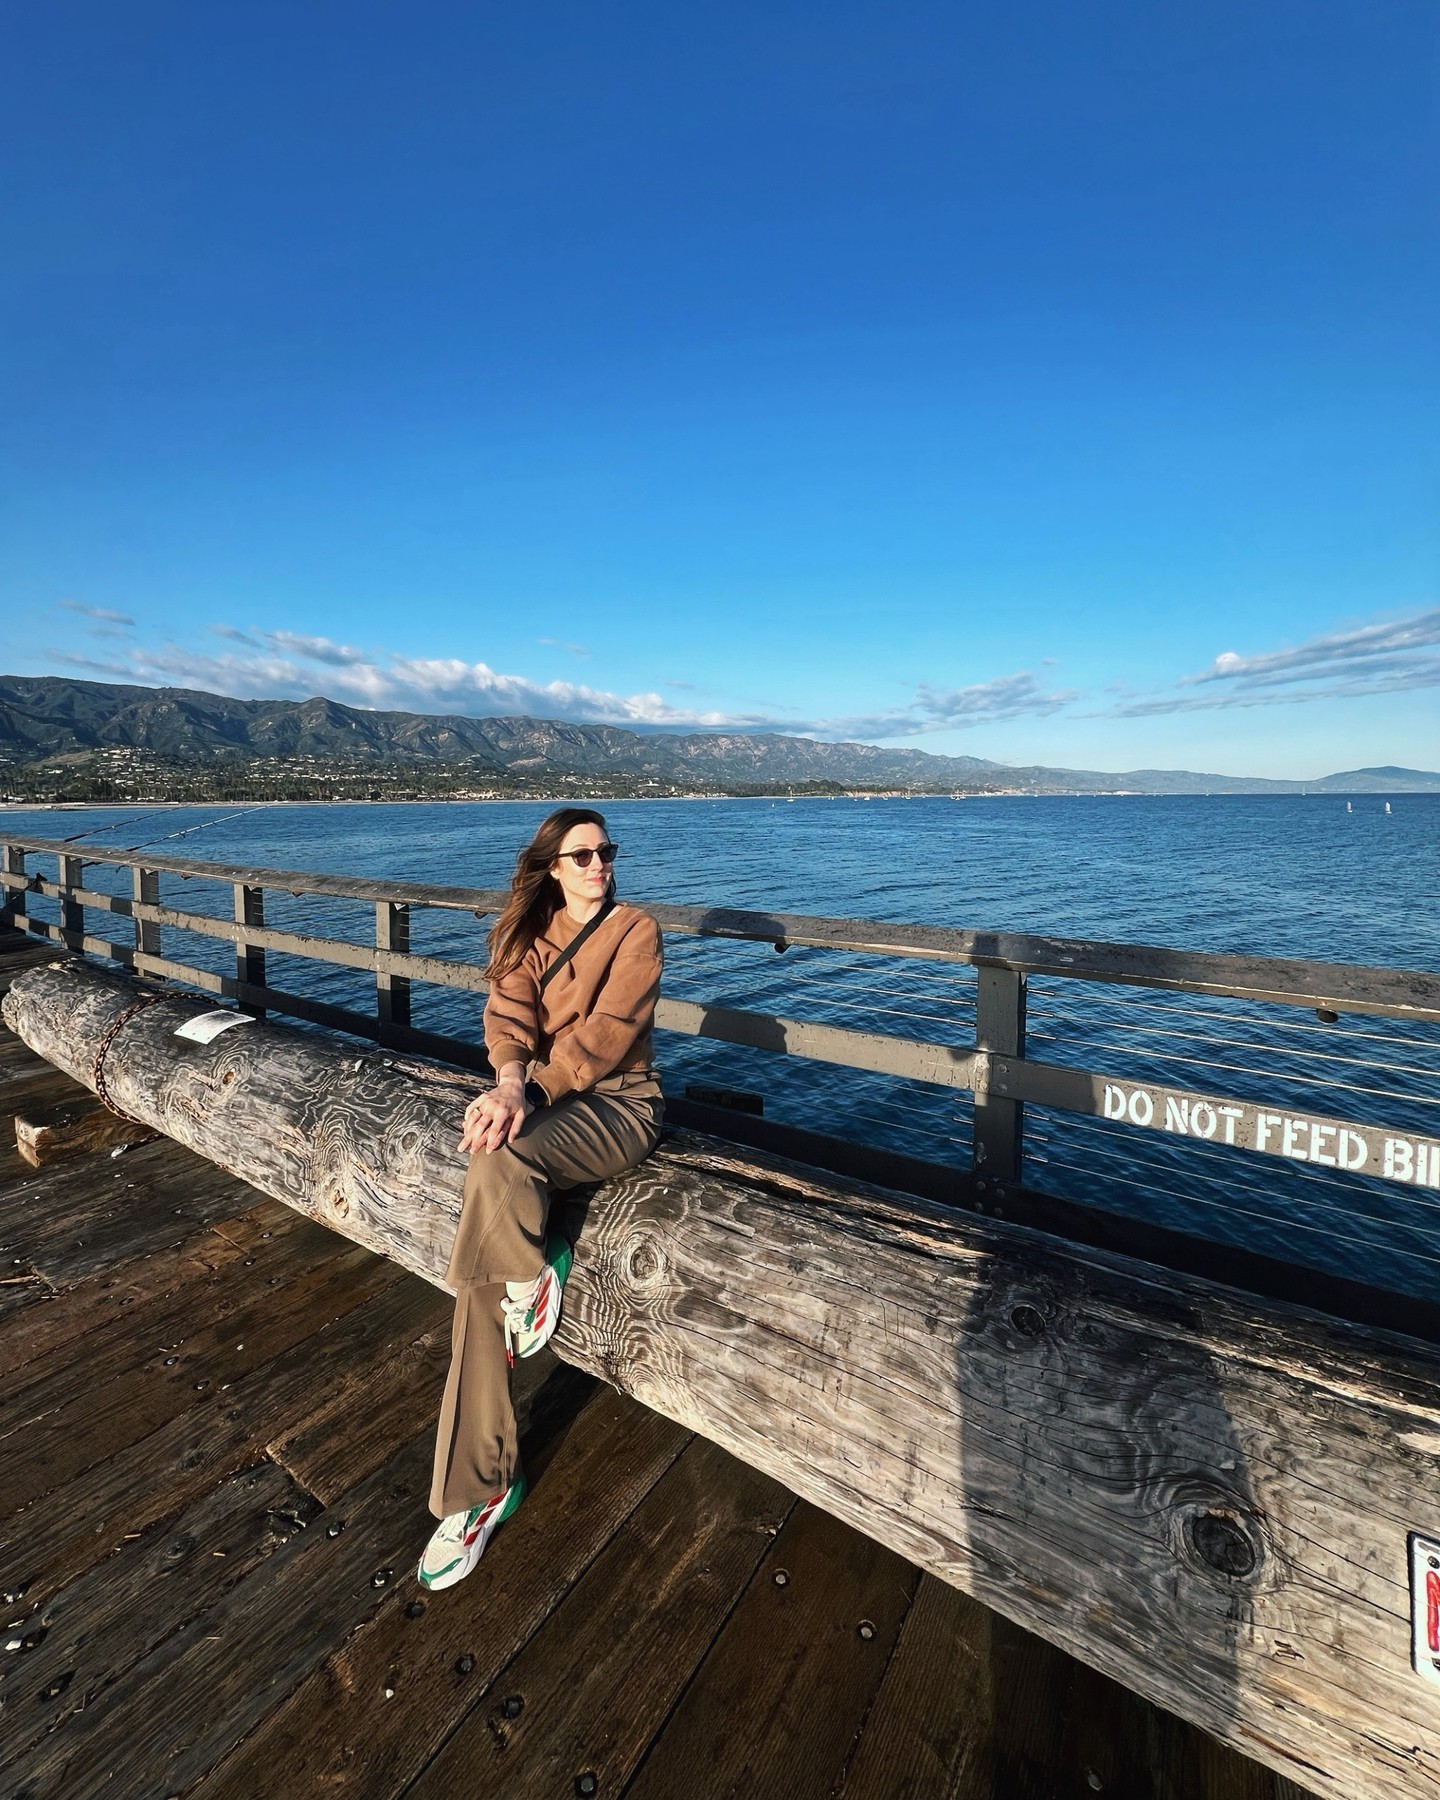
[[582, 796], [100, 743]]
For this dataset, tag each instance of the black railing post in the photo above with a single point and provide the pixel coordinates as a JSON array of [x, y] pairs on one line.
[[249, 958], [1000, 1031], [392, 992], [72, 913]]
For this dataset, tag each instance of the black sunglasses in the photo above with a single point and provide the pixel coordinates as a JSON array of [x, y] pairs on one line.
[[607, 854]]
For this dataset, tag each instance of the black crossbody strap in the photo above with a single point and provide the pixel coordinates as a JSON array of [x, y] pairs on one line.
[[579, 938]]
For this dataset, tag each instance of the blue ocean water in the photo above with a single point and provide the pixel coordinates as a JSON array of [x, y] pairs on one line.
[[1297, 876]]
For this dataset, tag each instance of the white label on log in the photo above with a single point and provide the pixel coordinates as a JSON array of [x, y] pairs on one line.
[[1425, 1606], [207, 1025]]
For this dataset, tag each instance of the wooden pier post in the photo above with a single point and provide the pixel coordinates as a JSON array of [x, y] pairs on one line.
[[145, 891], [392, 992], [249, 957], [15, 907], [999, 1033]]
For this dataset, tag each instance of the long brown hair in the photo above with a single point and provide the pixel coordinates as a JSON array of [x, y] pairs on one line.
[[535, 895]]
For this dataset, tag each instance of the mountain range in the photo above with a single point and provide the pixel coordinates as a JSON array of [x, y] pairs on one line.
[[47, 717]]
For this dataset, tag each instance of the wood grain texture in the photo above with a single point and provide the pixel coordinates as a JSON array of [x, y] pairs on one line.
[[105, 1620], [178, 1709], [931, 1731], [1202, 1494], [74, 1314], [81, 1218], [1073, 1438], [58, 1426], [358, 1140]]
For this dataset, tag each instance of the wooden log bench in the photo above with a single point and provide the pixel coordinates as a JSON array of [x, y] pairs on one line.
[[1203, 1494]]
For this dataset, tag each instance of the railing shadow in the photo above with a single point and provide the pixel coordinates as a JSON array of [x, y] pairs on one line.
[[1103, 1478]]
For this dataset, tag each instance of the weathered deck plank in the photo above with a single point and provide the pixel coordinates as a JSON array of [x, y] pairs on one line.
[[116, 1613], [175, 1712], [156, 1476], [106, 1210], [778, 1704], [338, 1734], [931, 1731], [93, 1303], [600, 1678], [120, 1334], [72, 1420]]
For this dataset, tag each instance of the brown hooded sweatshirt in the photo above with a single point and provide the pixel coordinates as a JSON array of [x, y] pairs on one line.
[[596, 1016]]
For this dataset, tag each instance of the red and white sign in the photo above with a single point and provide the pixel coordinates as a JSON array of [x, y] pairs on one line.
[[1425, 1606]]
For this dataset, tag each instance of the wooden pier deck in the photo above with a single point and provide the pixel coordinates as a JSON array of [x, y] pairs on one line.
[[216, 1419]]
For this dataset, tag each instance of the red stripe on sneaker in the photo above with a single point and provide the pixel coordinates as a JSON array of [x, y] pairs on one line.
[[479, 1525]]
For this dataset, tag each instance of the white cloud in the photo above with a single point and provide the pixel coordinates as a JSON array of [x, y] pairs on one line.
[[97, 612], [1018, 696], [316, 649], [1394, 656], [286, 665]]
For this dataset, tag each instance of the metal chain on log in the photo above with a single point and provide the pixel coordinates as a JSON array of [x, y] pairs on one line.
[[98, 1081]]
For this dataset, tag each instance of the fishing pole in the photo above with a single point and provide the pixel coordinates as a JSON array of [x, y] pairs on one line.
[[95, 830], [204, 825]]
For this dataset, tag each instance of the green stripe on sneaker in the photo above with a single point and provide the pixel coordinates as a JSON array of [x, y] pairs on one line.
[[560, 1256]]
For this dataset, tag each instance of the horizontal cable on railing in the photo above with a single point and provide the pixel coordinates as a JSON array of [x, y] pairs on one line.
[[1227, 1044], [1350, 1087], [1273, 1220], [865, 982], [1350, 987], [1074, 1008], [845, 962], [1347, 1207], [1258, 1031]]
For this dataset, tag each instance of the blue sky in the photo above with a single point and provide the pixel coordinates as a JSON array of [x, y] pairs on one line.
[[1043, 383]]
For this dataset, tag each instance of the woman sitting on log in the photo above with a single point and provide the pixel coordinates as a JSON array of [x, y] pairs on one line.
[[574, 976]]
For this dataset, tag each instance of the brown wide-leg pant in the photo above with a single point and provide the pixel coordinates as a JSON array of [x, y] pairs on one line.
[[501, 1237]]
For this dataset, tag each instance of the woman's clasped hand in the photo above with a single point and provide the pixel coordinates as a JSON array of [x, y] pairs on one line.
[[495, 1117]]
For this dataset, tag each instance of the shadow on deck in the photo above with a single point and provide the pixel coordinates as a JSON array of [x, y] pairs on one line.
[[216, 1419]]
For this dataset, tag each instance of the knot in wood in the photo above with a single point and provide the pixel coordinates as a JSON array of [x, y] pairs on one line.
[[1027, 1320], [339, 1205], [643, 1264], [1221, 1541]]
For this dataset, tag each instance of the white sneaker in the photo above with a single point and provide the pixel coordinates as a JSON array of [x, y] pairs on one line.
[[459, 1540], [531, 1309]]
